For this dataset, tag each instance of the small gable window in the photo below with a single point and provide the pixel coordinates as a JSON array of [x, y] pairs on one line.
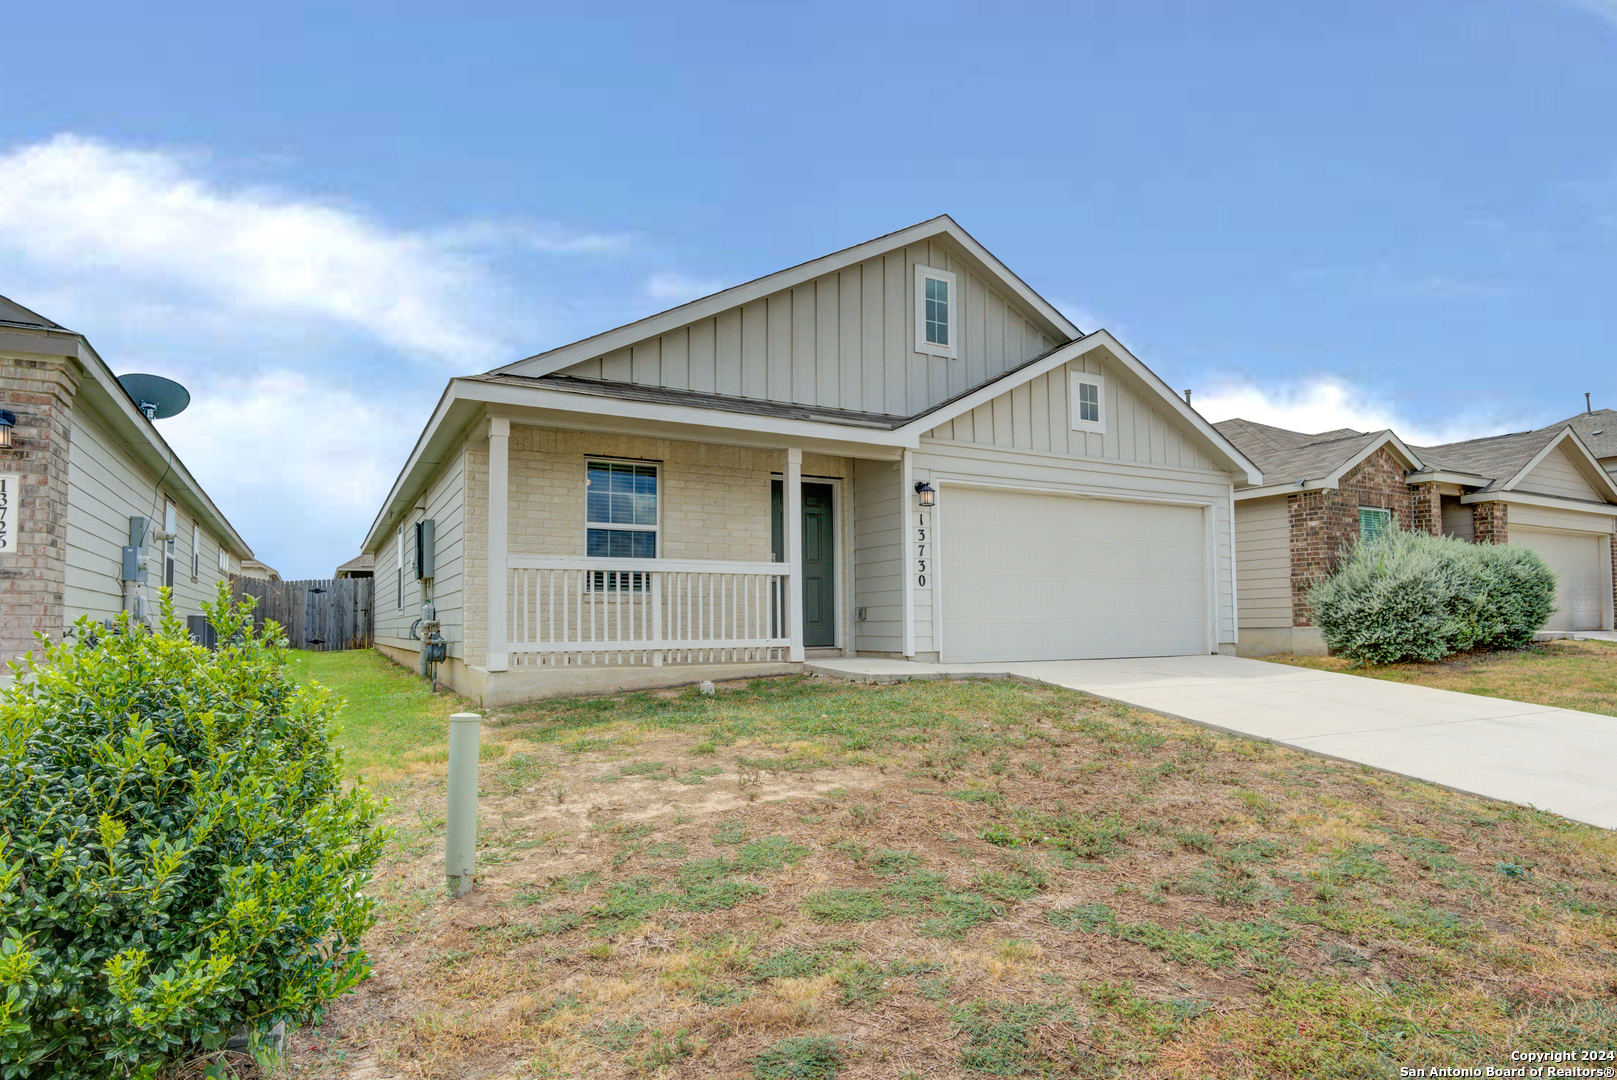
[[1374, 522], [1087, 396], [937, 312]]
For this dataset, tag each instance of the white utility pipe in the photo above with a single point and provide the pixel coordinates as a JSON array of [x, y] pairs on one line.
[[460, 845]]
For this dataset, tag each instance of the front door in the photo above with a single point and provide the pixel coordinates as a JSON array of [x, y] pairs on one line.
[[819, 561]]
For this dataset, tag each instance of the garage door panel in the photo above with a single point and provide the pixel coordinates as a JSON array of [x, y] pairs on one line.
[[1028, 576], [1582, 574]]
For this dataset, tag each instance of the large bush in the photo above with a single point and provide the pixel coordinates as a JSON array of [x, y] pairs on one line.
[[1412, 596], [179, 856]]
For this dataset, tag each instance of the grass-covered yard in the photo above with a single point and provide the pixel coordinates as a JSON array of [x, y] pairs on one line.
[[1578, 675], [804, 878]]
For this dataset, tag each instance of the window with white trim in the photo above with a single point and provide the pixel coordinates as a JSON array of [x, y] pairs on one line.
[[1374, 522], [621, 517], [1087, 401], [224, 560], [196, 551], [170, 526], [401, 568], [937, 312]]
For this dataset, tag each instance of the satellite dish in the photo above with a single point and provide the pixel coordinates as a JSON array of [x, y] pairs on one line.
[[158, 398]]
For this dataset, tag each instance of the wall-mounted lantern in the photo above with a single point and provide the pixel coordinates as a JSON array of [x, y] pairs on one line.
[[929, 496], [8, 420]]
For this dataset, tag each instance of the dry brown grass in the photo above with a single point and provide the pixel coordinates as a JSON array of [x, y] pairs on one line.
[[1578, 675], [960, 877]]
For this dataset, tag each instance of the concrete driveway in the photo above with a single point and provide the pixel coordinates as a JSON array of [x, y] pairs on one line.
[[1554, 759]]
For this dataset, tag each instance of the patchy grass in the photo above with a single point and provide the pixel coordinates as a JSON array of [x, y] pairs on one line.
[[949, 879], [1578, 675]]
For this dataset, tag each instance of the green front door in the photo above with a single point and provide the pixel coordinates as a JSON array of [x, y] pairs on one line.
[[819, 561]]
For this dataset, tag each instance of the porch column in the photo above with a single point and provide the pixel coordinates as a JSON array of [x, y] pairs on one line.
[[792, 538], [499, 494]]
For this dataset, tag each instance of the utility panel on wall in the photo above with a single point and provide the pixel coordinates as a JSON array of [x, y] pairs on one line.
[[423, 548]]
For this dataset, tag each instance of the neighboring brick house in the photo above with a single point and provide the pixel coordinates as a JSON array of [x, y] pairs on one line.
[[1323, 492], [83, 461]]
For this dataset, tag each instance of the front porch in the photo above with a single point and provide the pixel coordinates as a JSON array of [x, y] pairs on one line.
[[634, 561]]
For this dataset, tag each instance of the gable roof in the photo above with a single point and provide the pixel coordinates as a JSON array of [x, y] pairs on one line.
[[1295, 458], [1506, 460], [1597, 429], [27, 331], [1053, 323], [703, 415]]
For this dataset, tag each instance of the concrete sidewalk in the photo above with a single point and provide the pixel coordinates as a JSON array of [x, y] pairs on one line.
[[1555, 759]]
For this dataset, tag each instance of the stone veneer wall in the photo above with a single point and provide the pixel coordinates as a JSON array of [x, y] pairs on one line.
[[1323, 524], [1490, 522], [33, 576]]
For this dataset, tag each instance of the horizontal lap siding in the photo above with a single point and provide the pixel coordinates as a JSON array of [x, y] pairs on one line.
[[446, 506], [845, 340], [1263, 551], [106, 488], [877, 584]]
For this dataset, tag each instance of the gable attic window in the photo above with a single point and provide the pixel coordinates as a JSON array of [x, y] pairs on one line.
[[1086, 395], [621, 518], [937, 312], [1374, 522]]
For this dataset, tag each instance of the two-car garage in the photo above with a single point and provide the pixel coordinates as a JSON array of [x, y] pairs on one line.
[[1032, 576]]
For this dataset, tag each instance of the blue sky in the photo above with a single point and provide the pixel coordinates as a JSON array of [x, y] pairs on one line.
[[1372, 214]]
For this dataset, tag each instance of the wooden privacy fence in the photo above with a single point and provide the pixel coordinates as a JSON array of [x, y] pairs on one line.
[[321, 615]]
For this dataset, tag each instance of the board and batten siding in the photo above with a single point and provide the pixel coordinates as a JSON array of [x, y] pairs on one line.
[[1557, 475], [1036, 416], [877, 508], [1263, 562], [941, 461], [845, 340], [106, 487]]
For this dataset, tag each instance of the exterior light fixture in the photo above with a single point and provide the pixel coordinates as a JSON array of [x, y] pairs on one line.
[[929, 496], [8, 420]]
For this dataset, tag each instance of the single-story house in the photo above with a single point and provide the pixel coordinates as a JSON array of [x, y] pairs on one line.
[[1598, 430], [86, 476], [253, 568], [360, 566], [1323, 492], [899, 449]]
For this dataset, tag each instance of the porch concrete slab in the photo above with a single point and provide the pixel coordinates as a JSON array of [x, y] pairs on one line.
[[1554, 759]]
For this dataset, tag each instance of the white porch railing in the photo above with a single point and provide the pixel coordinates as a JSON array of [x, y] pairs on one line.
[[566, 611]]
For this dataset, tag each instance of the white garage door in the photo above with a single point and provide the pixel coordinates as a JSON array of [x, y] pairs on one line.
[[1582, 572], [1048, 577]]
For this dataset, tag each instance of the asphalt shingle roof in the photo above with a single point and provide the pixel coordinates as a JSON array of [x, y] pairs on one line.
[[1597, 429], [1496, 458], [1287, 456]]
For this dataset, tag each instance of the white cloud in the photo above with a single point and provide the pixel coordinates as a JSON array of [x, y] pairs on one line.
[[299, 465], [152, 222], [672, 285], [1605, 9], [1325, 404]]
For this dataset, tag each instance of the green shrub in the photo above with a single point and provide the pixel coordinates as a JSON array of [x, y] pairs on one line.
[[179, 856], [1413, 596]]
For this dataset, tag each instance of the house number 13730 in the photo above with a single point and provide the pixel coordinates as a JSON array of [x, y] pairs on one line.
[[920, 550]]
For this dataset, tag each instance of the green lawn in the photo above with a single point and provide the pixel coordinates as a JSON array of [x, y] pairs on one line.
[[390, 711], [802, 877]]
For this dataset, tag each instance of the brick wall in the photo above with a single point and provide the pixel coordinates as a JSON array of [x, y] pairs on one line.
[[41, 392], [1426, 509], [714, 502], [1324, 524], [1490, 523]]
